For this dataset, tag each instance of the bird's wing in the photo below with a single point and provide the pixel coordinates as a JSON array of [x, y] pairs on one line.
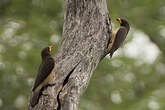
[[113, 38], [119, 39], [45, 69]]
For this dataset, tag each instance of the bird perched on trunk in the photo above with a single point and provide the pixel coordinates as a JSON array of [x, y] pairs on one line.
[[45, 74], [119, 35]]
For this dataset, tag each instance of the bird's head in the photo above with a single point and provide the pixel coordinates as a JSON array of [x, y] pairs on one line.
[[123, 22], [46, 51]]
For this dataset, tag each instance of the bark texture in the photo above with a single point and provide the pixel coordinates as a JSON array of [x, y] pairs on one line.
[[86, 34]]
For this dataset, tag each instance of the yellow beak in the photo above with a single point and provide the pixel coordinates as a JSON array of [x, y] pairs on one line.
[[50, 48], [119, 20]]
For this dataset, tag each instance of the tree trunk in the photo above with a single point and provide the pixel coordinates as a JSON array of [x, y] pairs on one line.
[[86, 34]]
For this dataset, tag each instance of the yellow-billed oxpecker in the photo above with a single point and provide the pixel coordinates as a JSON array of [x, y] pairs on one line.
[[119, 35], [45, 74]]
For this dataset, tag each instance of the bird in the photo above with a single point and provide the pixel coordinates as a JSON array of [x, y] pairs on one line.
[[45, 74], [118, 35]]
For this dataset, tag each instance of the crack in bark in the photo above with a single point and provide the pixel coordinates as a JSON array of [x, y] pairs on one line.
[[64, 83], [58, 100]]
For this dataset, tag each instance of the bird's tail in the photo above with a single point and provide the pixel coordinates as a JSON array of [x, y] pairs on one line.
[[35, 97]]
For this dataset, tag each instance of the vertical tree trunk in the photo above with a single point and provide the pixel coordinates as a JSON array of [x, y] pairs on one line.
[[86, 34]]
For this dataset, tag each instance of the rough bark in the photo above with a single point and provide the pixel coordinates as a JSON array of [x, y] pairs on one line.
[[86, 34]]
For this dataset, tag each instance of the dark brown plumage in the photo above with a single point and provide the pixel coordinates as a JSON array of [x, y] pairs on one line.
[[119, 35], [45, 74]]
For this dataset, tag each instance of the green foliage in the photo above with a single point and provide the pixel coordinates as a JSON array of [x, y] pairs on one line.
[[123, 82]]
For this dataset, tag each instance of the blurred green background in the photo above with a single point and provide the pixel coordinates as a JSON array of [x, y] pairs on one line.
[[134, 79]]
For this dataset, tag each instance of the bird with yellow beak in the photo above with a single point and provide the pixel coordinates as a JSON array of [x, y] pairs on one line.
[[44, 76], [118, 35]]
